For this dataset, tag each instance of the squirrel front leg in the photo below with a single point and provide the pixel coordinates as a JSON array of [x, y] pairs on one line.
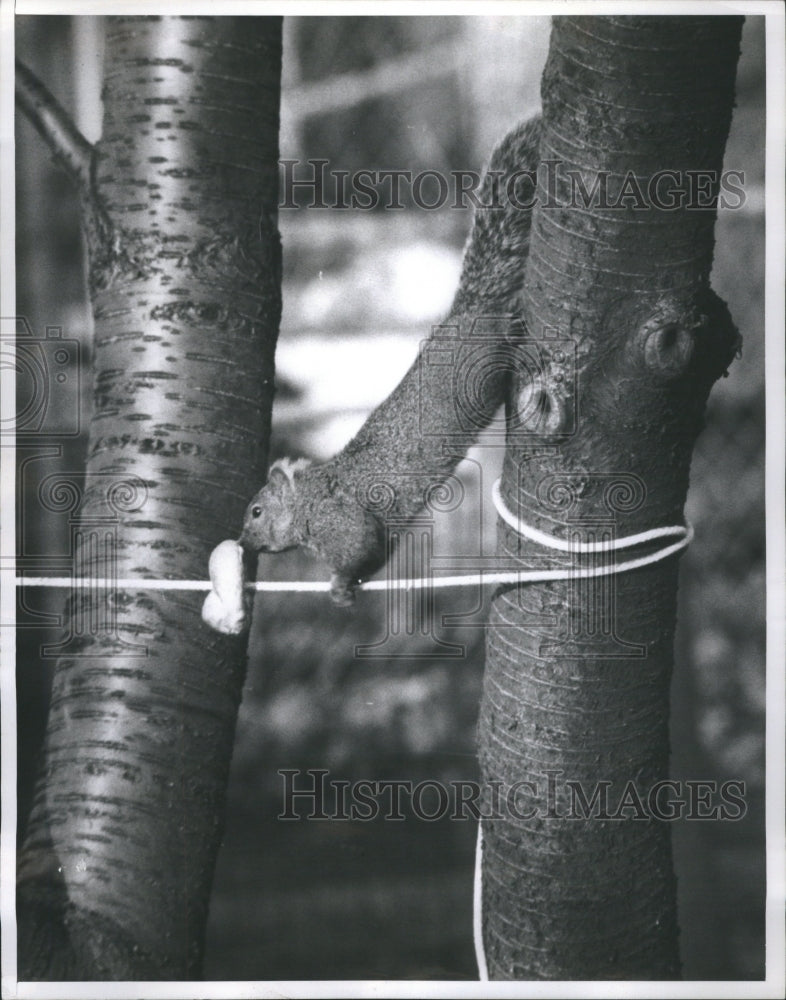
[[415, 438], [358, 555]]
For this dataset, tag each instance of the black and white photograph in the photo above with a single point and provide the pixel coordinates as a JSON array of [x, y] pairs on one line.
[[392, 542]]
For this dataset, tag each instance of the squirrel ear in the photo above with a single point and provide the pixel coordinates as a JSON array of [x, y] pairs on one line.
[[283, 470], [276, 476]]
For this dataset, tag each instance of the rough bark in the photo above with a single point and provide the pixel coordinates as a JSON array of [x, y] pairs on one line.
[[115, 874], [577, 676]]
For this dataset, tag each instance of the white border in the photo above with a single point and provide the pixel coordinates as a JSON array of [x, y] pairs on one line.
[[775, 472], [775, 983], [310, 8], [8, 744], [579, 989]]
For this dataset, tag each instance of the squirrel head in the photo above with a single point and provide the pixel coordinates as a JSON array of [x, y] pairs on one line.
[[269, 523]]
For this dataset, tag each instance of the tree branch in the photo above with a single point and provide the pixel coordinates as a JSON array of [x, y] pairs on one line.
[[74, 154], [72, 151], [348, 89]]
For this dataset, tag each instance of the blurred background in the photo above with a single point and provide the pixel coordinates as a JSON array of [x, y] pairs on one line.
[[373, 900]]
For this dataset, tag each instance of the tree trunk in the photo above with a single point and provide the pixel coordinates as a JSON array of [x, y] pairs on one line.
[[577, 677], [115, 874]]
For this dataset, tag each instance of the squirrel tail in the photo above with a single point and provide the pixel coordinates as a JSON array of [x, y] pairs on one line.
[[492, 274]]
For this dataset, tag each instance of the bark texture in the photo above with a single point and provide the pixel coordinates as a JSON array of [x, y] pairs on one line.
[[115, 875], [576, 687]]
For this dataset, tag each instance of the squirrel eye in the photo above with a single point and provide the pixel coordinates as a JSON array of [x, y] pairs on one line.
[[256, 511]]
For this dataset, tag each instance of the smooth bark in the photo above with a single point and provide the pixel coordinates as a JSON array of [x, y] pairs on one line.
[[115, 874]]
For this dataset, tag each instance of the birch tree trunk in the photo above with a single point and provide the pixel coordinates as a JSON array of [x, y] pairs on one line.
[[180, 202], [576, 687]]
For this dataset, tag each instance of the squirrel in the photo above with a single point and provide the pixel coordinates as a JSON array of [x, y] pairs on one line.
[[414, 439]]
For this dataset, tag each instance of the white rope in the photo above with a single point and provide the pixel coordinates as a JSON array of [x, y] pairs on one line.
[[477, 908], [609, 545], [418, 583], [151, 583], [685, 533]]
